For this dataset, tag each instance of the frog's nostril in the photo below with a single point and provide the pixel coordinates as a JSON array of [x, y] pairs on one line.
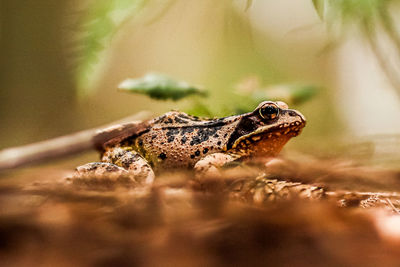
[[292, 113]]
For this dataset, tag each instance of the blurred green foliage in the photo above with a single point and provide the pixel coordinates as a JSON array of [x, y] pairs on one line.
[[101, 21], [369, 17], [247, 95], [292, 94], [367, 14], [346, 10]]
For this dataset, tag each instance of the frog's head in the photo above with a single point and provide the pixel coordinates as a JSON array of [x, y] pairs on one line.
[[266, 130]]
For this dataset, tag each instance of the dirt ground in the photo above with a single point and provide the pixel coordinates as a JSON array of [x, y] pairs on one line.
[[298, 213]]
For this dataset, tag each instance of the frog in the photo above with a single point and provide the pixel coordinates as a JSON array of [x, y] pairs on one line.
[[177, 140]]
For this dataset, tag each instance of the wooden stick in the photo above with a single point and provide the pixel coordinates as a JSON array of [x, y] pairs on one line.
[[341, 194], [71, 144]]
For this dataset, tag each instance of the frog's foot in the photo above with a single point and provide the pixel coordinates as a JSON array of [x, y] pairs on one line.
[[100, 171], [211, 165], [131, 162]]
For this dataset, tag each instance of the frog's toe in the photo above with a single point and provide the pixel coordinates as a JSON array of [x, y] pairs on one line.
[[142, 173], [109, 173], [99, 170], [100, 175], [208, 169], [210, 166]]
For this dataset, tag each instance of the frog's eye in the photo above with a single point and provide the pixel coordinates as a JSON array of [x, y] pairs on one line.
[[269, 111]]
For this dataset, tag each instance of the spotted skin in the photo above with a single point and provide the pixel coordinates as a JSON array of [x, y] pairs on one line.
[[178, 140], [131, 161], [182, 144]]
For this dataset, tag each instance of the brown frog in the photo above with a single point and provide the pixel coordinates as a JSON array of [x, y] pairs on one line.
[[178, 140]]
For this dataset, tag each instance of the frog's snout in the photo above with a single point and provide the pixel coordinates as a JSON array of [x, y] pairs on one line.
[[295, 113]]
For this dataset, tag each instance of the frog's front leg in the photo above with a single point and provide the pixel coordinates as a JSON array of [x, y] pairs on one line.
[[117, 163], [130, 161], [210, 166], [98, 170]]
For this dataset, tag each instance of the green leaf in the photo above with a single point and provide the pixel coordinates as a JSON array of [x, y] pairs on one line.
[[161, 87]]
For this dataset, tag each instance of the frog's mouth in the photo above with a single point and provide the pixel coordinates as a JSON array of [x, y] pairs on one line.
[[269, 138]]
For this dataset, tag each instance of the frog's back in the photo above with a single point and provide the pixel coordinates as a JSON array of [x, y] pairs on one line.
[[177, 139]]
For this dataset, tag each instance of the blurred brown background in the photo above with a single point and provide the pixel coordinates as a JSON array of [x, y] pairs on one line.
[[47, 88], [61, 62]]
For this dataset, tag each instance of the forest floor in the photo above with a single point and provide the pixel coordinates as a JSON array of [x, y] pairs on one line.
[[301, 212]]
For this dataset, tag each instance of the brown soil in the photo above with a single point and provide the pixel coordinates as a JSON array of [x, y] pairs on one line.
[[298, 214]]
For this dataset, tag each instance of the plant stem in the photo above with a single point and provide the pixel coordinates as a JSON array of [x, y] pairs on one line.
[[59, 147]]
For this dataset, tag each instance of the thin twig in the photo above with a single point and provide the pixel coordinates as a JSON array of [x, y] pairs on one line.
[[363, 194], [392, 206], [70, 144]]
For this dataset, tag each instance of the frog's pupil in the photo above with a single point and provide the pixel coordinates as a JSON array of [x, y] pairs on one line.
[[270, 110]]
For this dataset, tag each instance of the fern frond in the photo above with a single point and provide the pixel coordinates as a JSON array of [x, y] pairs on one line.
[[98, 25]]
